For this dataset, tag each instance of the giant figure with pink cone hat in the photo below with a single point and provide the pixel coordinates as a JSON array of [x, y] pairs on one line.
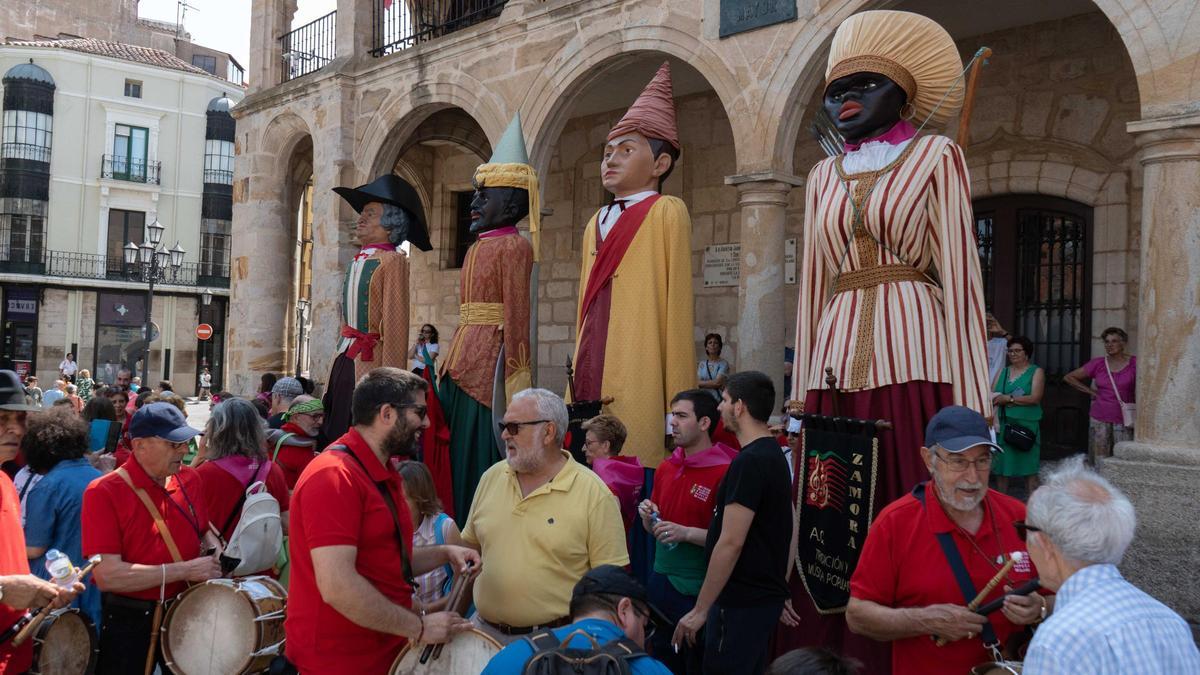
[[634, 338]]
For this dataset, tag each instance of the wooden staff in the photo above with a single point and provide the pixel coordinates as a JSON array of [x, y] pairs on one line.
[[991, 585], [44, 612], [964, 119], [155, 624]]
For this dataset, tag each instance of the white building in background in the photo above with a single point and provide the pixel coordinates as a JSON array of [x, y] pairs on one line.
[[100, 140]]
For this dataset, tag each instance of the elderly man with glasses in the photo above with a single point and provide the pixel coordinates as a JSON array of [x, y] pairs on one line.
[[540, 521], [1078, 528], [929, 553]]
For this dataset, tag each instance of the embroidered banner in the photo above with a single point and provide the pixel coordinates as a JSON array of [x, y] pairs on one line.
[[834, 501]]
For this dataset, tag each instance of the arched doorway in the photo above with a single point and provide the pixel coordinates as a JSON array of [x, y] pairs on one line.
[[1035, 254]]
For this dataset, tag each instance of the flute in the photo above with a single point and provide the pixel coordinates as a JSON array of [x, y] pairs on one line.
[[991, 585]]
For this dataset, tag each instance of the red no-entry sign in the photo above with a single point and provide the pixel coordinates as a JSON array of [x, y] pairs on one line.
[[204, 331]]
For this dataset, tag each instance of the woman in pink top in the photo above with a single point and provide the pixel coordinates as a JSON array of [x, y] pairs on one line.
[[1096, 378], [604, 437]]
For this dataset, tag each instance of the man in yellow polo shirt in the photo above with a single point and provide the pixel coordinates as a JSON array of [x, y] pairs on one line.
[[540, 522]]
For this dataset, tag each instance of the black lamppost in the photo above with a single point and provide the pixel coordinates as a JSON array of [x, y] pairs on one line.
[[153, 262], [302, 306]]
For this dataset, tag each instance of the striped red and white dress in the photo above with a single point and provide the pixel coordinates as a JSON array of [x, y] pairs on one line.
[[919, 214]]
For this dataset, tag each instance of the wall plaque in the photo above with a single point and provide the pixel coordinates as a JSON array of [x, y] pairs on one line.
[[722, 265], [739, 16]]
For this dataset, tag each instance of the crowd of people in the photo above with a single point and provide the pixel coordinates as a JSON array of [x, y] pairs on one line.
[[371, 556]]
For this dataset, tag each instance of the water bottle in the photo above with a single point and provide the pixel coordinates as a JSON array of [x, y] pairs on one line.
[[58, 564], [654, 521]]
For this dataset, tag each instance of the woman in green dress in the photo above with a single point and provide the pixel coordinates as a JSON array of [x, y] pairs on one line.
[[1018, 398]]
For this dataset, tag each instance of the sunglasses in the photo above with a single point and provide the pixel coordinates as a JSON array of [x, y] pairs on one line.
[[1023, 529], [420, 408], [514, 428]]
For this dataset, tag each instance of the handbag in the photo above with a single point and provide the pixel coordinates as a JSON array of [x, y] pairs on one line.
[[1019, 436], [1128, 410]]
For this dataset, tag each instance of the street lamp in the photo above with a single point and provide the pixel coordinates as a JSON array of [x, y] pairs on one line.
[[302, 306], [153, 262], [206, 297]]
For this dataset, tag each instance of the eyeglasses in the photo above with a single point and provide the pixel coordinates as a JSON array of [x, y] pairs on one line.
[[514, 428], [590, 443], [1023, 529], [960, 464], [1016, 351], [420, 408]]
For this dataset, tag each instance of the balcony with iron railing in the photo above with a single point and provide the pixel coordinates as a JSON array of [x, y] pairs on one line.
[[27, 151], [400, 24], [218, 176], [131, 170], [67, 264], [310, 47]]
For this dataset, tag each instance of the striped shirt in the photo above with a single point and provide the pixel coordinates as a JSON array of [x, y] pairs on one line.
[[1104, 625], [918, 213]]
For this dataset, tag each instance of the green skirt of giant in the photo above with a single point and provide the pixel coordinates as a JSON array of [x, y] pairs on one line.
[[472, 443]]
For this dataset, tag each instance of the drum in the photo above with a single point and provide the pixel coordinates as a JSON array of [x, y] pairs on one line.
[[468, 652], [65, 644], [997, 668], [225, 626]]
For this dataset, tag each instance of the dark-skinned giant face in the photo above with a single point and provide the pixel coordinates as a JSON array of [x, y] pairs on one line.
[[495, 207], [864, 105]]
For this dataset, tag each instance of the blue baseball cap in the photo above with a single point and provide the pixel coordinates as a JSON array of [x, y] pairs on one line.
[[161, 420], [956, 429]]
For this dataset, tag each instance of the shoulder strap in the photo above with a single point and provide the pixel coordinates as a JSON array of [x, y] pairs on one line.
[[439, 526], [1112, 381], [279, 444], [237, 509], [954, 558], [163, 530], [542, 640], [405, 563], [623, 648]]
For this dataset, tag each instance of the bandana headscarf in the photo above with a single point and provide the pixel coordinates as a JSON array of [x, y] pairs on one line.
[[303, 408]]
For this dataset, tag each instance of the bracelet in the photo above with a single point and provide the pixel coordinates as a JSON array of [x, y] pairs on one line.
[[1043, 599], [422, 633]]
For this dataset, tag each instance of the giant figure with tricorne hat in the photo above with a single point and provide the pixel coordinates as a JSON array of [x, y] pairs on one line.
[[489, 357], [891, 294], [635, 339], [374, 330]]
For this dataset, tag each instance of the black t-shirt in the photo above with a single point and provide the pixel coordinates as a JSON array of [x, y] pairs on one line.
[[759, 480]]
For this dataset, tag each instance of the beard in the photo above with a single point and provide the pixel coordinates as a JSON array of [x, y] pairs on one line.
[[402, 441], [946, 490]]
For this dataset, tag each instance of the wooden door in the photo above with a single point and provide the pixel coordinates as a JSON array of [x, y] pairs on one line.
[[1035, 253]]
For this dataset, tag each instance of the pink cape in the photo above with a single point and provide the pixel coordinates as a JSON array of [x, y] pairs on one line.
[[624, 476], [717, 455]]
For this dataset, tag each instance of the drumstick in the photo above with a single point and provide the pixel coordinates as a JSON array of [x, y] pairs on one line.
[[456, 591], [991, 585], [40, 616]]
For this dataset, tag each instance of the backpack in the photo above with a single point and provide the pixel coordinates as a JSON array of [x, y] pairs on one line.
[[255, 543], [552, 657]]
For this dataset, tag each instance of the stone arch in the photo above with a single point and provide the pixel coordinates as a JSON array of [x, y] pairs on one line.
[[802, 69], [391, 126], [551, 95]]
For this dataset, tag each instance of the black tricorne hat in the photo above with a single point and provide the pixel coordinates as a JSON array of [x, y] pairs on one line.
[[12, 393], [391, 189]]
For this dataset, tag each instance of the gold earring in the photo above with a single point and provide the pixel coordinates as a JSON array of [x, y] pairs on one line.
[[912, 110]]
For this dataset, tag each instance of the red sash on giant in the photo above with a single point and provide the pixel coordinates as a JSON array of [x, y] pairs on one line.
[[597, 296]]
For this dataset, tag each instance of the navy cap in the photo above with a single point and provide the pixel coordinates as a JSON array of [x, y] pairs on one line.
[[956, 429], [161, 420], [613, 580]]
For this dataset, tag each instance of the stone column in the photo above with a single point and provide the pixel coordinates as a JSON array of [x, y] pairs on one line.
[[355, 28], [763, 198], [269, 20], [1160, 469]]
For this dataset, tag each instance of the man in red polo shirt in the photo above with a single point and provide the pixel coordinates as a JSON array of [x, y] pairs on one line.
[[905, 588], [19, 590], [685, 490], [349, 608], [139, 567]]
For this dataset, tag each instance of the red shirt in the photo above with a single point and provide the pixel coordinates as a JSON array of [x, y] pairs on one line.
[[223, 490], [685, 489], [116, 522], [336, 504], [902, 565], [12, 561], [293, 458]]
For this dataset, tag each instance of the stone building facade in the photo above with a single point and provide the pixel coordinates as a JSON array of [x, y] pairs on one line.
[[1084, 154]]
